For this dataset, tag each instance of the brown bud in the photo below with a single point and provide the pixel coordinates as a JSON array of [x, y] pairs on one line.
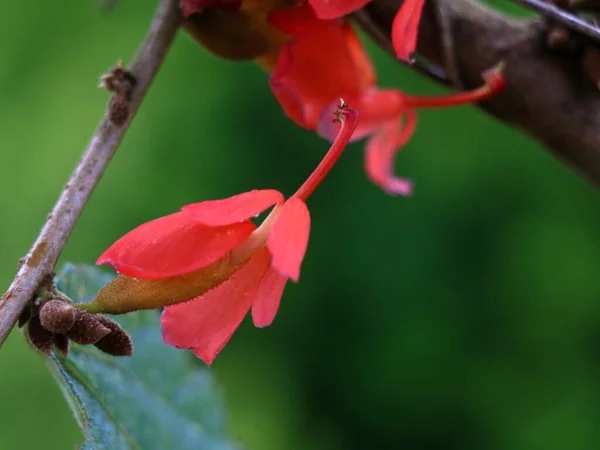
[[25, 316], [39, 337], [118, 80], [230, 35], [128, 86], [558, 38], [61, 343], [591, 65], [118, 110], [57, 316], [118, 342], [86, 329]]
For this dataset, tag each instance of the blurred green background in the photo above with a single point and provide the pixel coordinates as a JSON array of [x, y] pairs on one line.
[[466, 317]]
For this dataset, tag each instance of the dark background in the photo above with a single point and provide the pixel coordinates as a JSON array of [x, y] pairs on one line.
[[466, 317]]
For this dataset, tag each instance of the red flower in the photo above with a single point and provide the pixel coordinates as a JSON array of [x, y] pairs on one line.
[[324, 62], [405, 26], [206, 323], [313, 62], [209, 264], [215, 31], [327, 61]]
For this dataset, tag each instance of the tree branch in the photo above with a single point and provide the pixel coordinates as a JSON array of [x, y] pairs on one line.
[[39, 263], [569, 20], [548, 94]]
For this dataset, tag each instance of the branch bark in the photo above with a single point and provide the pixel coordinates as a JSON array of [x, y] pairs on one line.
[[39, 263], [547, 95], [570, 21]]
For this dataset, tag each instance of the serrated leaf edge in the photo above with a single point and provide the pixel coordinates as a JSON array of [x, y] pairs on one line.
[[66, 387], [58, 370]]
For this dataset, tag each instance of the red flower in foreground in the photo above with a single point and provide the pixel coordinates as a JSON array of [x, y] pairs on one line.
[[275, 251], [209, 264], [325, 61]]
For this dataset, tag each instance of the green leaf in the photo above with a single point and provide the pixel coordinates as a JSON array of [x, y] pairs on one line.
[[157, 399]]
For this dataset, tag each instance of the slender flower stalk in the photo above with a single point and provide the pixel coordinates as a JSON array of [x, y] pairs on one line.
[[347, 127], [348, 119], [494, 83]]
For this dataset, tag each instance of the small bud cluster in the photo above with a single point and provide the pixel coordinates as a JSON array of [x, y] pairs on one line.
[[122, 82], [560, 38], [57, 322]]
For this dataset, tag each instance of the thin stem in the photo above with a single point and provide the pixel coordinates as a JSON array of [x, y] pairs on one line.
[[348, 118], [563, 17], [494, 82], [39, 262]]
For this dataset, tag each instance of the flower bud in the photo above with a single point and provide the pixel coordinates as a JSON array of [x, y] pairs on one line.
[[558, 37], [236, 36], [118, 110], [86, 329], [57, 316], [61, 343], [117, 342], [39, 337]]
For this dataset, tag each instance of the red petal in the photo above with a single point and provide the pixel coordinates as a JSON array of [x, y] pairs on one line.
[[381, 151], [268, 296], [234, 209], [205, 324], [405, 28], [333, 9], [317, 69], [288, 238], [297, 20], [172, 245], [361, 59], [375, 108]]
